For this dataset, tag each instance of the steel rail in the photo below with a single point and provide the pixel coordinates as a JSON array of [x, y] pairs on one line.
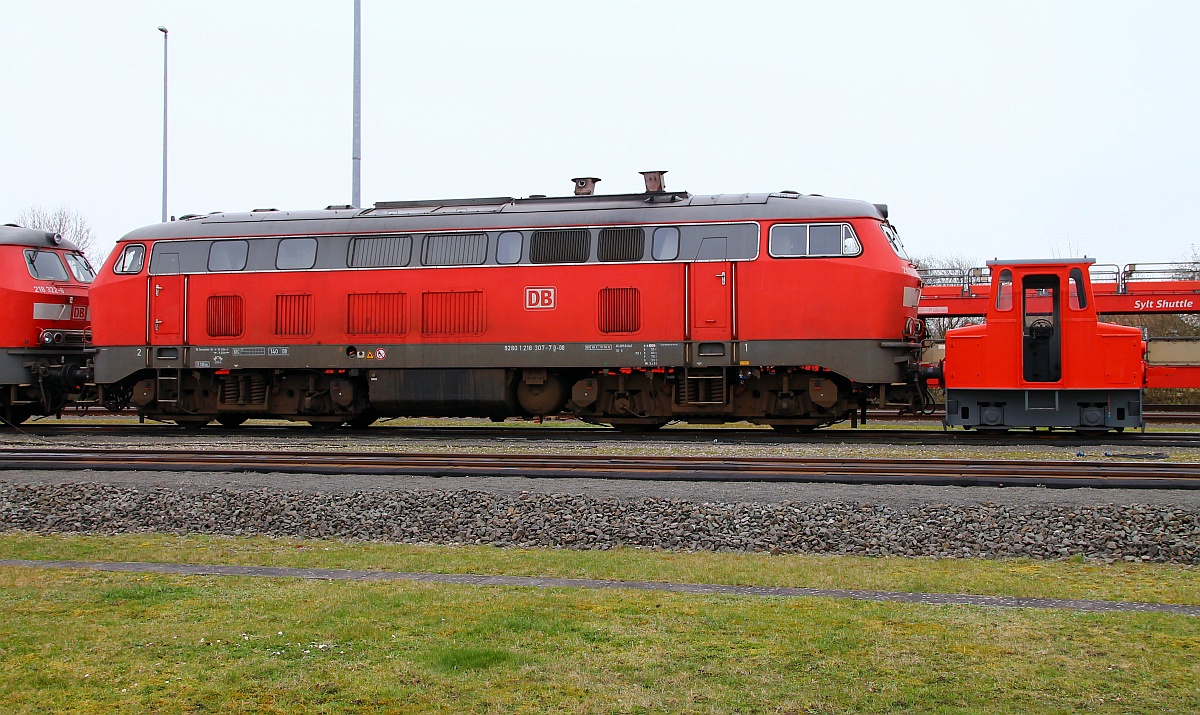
[[927, 436], [941, 472]]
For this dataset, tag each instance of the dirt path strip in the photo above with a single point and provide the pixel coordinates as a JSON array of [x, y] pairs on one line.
[[938, 599]]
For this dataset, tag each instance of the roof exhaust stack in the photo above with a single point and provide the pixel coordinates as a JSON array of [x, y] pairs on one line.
[[654, 181], [585, 186]]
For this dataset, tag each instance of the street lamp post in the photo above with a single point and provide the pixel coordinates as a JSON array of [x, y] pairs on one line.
[[356, 155], [163, 30]]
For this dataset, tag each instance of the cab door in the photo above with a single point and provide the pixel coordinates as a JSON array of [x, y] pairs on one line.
[[710, 297], [1041, 338], [167, 294]]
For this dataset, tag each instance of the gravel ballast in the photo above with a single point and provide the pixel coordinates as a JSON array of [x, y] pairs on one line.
[[1159, 532]]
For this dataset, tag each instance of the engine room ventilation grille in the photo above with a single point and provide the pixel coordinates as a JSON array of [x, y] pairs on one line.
[[452, 313], [620, 310], [379, 251], [377, 314], [621, 244], [226, 316], [455, 249], [569, 245], [293, 315]]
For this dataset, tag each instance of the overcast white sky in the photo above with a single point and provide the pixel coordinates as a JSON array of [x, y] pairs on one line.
[[1015, 129]]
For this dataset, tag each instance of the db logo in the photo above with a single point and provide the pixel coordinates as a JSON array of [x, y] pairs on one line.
[[540, 297], [79, 312]]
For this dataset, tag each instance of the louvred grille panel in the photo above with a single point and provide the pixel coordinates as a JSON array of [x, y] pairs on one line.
[[226, 316], [452, 313], [293, 315], [620, 310], [377, 314]]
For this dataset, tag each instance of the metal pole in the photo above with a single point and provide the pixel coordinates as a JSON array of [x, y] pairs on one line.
[[163, 30], [356, 156]]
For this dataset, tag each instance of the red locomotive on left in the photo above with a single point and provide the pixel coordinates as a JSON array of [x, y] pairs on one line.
[[45, 337]]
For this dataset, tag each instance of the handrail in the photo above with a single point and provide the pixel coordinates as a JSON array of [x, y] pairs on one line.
[[1100, 273]]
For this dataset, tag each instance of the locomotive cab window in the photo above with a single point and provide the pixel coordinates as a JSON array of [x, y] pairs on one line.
[[44, 265], [813, 240], [80, 268], [296, 254], [894, 240], [131, 259], [508, 248], [227, 255]]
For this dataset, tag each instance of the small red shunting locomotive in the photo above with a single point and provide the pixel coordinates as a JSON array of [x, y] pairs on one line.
[[1043, 359]]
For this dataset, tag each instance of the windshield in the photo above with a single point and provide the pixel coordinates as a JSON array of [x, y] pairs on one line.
[[894, 239], [80, 268], [45, 265]]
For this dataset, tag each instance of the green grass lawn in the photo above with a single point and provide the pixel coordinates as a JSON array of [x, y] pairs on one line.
[[73, 641]]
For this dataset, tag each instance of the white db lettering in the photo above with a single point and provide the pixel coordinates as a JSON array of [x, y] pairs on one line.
[[540, 297]]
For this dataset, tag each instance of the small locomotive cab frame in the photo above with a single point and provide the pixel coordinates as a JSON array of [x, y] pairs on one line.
[[630, 310], [45, 337], [1043, 358]]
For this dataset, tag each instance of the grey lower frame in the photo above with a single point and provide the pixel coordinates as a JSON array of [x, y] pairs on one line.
[[14, 369], [863, 361], [15, 363], [1084, 409]]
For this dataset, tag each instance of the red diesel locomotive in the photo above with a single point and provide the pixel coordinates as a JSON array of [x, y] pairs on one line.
[[44, 337], [630, 310]]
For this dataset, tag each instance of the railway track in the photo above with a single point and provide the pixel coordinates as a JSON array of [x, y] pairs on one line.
[[550, 433], [940, 472]]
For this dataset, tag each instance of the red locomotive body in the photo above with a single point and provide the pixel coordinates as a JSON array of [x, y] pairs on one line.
[[1043, 358], [44, 337], [632, 310]]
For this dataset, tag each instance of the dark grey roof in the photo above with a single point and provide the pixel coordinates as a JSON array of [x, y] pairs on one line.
[[18, 236], [503, 212]]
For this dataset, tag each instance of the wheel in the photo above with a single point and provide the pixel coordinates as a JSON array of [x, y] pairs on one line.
[[325, 424], [637, 427], [194, 423], [793, 429], [13, 416], [231, 420], [363, 419]]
